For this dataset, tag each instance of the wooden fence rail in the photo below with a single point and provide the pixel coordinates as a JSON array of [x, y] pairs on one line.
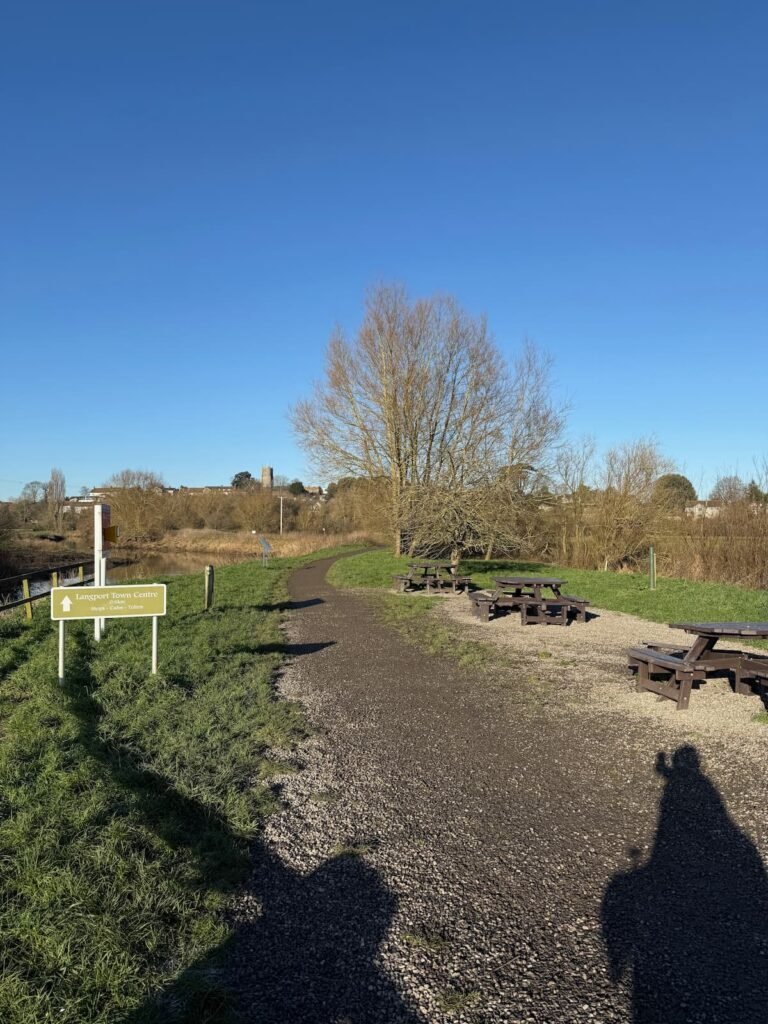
[[12, 583]]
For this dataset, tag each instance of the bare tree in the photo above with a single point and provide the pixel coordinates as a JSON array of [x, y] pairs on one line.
[[55, 494], [30, 500], [624, 512], [143, 479], [728, 489], [422, 399], [572, 474], [136, 497]]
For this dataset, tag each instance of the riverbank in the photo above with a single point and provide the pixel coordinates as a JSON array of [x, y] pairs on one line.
[[28, 553]]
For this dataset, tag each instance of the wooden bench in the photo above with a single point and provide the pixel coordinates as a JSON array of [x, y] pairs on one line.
[[740, 664], [552, 611], [453, 583], [755, 667], [402, 583], [578, 605], [542, 611], [483, 604], [678, 675]]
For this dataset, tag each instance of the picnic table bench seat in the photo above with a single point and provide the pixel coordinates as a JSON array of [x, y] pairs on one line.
[[483, 604], [741, 664], [544, 611], [578, 605], [401, 583], [679, 676], [454, 583], [553, 610]]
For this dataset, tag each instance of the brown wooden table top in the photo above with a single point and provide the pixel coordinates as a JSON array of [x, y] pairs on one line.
[[527, 581], [434, 564], [723, 628]]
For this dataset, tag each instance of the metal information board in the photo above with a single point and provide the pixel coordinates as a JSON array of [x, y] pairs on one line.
[[114, 602], [133, 601]]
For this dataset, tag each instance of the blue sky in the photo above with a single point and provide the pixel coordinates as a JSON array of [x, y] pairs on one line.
[[194, 192]]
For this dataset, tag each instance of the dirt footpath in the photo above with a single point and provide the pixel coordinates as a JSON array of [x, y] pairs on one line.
[[500, 847]]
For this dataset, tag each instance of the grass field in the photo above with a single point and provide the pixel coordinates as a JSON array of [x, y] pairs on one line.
[[672, 601], [128, 802]]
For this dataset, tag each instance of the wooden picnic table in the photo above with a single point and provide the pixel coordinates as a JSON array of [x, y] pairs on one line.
[[702, 654], [683, 667], [436, 575], [526, 593], [533, 584], [433, 568]]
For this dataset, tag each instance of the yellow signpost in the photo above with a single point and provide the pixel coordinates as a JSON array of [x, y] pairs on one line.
[[133, 601], [115, 602]]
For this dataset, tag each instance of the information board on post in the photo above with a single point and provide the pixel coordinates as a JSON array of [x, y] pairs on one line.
[[134, 600]]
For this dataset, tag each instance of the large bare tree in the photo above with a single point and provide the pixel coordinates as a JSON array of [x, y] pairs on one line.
[[422, 399]]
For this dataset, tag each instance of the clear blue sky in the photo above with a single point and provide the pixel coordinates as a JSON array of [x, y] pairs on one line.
[[193, 192]]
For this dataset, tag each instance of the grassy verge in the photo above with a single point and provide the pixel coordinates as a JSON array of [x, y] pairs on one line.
[[128, 802], [673, 600], [410, 615]]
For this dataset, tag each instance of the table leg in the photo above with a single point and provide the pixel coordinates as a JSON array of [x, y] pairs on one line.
[[701, 646]]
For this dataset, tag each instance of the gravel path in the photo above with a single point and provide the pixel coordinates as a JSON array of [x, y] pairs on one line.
[[513, 846]]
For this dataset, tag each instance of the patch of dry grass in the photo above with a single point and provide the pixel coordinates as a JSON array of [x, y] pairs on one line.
[[243, 542]]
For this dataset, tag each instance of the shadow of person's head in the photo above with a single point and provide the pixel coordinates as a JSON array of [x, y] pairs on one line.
[[684, 759]]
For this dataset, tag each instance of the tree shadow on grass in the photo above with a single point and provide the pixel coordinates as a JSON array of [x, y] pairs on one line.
[[305, 953], [688, 928]]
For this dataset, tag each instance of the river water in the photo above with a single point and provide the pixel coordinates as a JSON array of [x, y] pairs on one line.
[[149, 564]]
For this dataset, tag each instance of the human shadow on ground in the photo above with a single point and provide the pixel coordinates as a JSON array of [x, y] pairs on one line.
[[305, 953], [688, 928], [309, 957]]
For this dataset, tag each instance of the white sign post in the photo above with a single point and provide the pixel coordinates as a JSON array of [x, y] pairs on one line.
[[132, 601], [101, 518]]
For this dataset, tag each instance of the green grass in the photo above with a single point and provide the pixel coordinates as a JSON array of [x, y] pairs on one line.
[[128, 802], [455, 1001], [430, 939], [673, 601], [410, 615]]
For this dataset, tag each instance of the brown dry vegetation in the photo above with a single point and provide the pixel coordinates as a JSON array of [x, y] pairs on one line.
[[220, 542]]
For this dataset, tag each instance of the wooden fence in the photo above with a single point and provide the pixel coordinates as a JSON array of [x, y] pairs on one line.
[[11, 584]]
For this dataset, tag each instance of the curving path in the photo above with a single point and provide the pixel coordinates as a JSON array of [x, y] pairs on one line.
[[457, 849]]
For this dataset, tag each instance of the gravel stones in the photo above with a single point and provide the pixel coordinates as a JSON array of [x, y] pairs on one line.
[[502, 847]]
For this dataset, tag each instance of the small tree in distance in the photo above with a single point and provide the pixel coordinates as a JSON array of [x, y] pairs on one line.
[[296, 487], [728, 489], [243, 480], [674, 490], [55, 491]]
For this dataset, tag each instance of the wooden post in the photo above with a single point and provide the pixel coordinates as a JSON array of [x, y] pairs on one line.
[[208, 587], [81, 573], [652, 568], [54, 579], [25, 595]]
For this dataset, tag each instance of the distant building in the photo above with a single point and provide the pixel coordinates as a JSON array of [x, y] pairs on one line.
[[267, 478], [208, 489], [704, 509], [314, 490]]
